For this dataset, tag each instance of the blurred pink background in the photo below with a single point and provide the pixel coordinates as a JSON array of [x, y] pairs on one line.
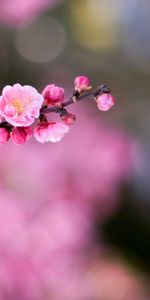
[[60, 203]]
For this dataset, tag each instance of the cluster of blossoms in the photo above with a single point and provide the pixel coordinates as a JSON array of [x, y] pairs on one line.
[[22, 106]]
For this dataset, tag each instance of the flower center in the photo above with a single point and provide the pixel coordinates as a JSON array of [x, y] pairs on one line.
[[18, 105]]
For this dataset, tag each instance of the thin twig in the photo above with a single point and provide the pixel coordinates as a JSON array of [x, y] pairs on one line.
[[56, 109]]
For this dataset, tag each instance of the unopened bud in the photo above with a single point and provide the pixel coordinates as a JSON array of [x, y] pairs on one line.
[[21, 134], [82, 83], [69, 118], [105, 101]]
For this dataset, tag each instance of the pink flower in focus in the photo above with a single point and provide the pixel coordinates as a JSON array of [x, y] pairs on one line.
[[105, 101], [50, 132], [4, 135], [21, 134], [82, 83], [20, 105], [53, 94]]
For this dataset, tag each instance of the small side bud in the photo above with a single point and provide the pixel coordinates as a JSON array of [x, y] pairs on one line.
[[68, 119], [82, 83]]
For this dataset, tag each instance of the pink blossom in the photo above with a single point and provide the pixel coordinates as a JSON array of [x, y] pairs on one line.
[[20, 105], [4, 135], [21, 134], [105, 101], [50, 132], [53, 94], [82, 83]]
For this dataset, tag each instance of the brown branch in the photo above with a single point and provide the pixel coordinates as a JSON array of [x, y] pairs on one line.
[[59, 108], [56, 109]]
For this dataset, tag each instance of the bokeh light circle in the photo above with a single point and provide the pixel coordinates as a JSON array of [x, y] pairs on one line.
[[42, 41]]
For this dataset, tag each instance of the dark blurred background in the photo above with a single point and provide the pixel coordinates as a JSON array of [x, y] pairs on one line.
[[74, 216]]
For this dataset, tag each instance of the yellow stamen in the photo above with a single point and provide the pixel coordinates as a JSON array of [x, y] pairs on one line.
[[18, 105]]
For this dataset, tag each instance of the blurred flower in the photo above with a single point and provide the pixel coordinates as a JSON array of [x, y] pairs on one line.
[[19, 12], [39, 250], [87, 162], [20, 105], [53, 94], [4, 135], [50, 132], [48, 204], [20, 135], [112, 280]]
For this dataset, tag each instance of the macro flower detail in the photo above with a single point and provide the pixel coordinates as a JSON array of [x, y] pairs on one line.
[[21, 134], [50, 132], [105, 101], [20, 105], [82, 83], [4, 135], [53, 94]]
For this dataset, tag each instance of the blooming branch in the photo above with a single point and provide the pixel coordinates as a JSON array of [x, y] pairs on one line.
[[20, 106]]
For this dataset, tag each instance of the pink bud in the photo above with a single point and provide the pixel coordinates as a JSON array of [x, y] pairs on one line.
[[82, 83], [53, 94], [105, 101], [4, 135], [69, 119], [21, 134], [50, 132]]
